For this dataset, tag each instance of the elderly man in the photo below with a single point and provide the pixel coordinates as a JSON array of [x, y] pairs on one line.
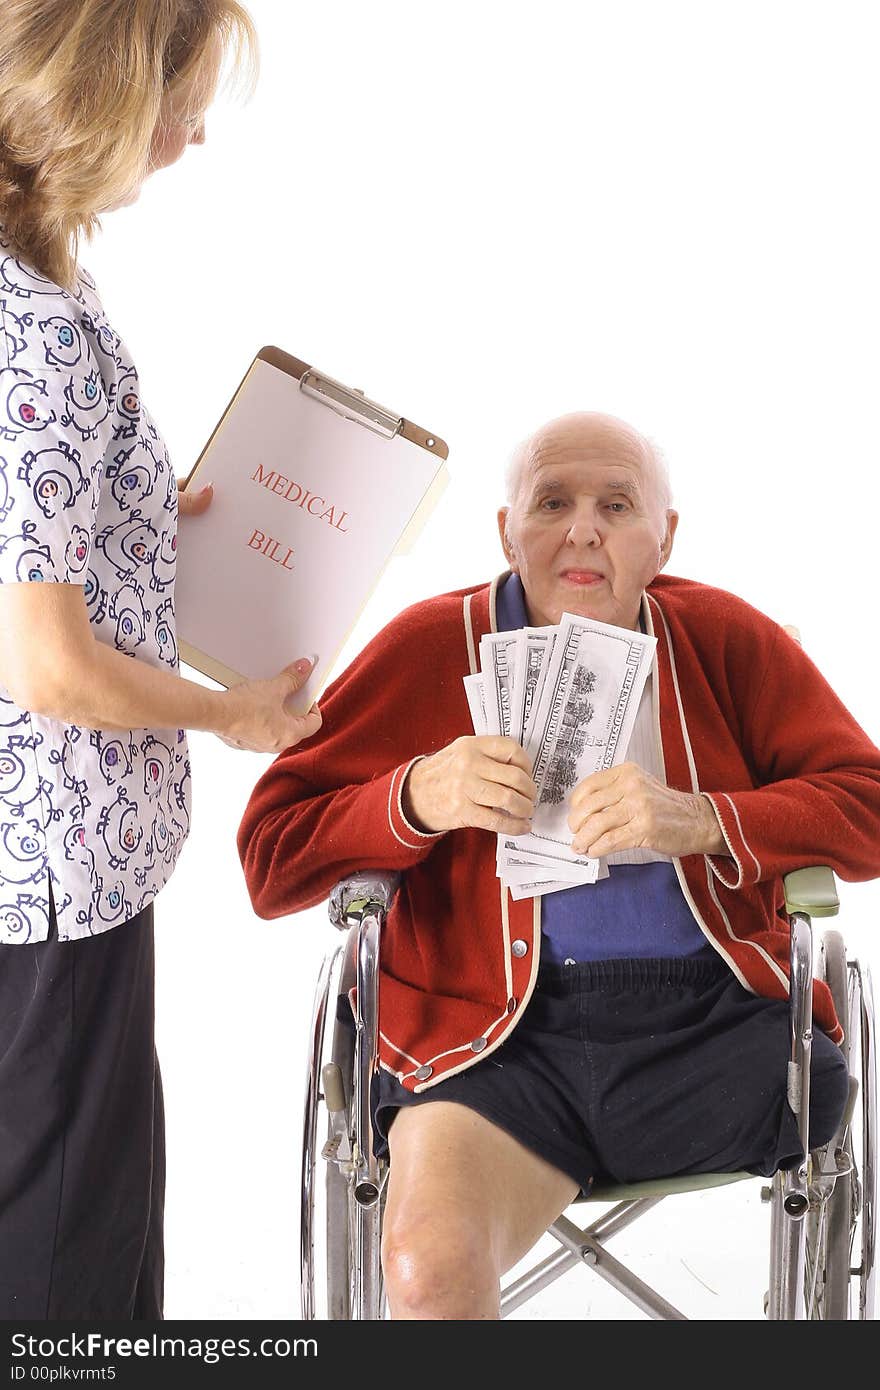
[[633, 1028]]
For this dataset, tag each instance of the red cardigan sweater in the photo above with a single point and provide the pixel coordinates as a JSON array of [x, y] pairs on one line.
[[742, 714]]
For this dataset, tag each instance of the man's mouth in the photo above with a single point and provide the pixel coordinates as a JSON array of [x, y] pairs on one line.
[[583, 578]]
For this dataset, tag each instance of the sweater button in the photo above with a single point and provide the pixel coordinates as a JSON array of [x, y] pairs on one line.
[[519, 948], [478, 1044], [423, 1073], [511, 1005]]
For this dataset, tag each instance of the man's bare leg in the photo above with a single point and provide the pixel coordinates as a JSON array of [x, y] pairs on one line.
[[465, 1202]]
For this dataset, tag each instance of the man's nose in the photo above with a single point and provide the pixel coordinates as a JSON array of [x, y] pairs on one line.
[[585, 527]]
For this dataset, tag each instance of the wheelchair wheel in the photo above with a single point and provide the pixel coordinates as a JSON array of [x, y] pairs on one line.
[[341, 1270], [355, 1287], [313, 1189], [838, 1273], [337, 1189]]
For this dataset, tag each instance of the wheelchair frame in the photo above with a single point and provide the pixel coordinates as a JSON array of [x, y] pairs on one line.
[[816, 1208]]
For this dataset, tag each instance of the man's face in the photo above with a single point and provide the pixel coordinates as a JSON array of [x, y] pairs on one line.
[[586, 532]]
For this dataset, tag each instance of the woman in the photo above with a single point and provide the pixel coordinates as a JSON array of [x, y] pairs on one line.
[[94, 777]]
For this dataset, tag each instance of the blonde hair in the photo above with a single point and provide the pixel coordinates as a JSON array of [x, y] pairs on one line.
[[82, 84]]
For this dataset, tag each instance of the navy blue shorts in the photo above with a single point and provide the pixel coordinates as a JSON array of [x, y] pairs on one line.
[[626, 1070]]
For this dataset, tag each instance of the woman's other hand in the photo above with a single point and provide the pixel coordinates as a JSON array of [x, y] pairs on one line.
[[260, 720]]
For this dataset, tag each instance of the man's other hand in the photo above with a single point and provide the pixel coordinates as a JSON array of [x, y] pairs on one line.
[[626, 808]]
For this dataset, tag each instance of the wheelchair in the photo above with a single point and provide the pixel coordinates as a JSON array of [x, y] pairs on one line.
[[822, 1213]]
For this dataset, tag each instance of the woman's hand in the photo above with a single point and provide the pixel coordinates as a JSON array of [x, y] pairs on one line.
[[258, 718], [194, 503]]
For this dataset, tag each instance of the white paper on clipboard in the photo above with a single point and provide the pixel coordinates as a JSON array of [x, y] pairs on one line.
[[309, 504]]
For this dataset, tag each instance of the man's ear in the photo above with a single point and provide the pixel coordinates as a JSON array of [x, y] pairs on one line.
[[509, 553], [666, 546]]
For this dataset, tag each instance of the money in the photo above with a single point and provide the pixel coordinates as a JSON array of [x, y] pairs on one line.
[[580, 870], [518, 891], [497, 659], [533, 649], [569, 695], [473, 689], [584, 720]]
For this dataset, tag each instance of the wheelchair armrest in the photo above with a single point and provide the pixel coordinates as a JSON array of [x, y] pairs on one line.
[[811, 891], [361, 895]]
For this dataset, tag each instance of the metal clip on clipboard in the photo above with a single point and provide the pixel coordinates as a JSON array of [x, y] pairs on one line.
[[350, 404]]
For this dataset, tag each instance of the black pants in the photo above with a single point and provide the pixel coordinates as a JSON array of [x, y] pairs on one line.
[[82, 1139], [626, 1070]]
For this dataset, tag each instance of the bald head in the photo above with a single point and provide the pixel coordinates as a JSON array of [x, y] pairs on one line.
[[594, 435], [589, 525]]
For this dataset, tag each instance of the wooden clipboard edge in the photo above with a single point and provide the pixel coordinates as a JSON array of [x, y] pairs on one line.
[[208, 665], [416, 435]]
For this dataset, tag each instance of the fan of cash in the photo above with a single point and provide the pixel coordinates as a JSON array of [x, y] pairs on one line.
[[569, 694]]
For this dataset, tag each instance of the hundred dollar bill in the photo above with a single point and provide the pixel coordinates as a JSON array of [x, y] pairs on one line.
[[518, 891], [473, 689], [533, 650], [510, 851], [584, 720], [581, 870], [497, 650], [515, 874]]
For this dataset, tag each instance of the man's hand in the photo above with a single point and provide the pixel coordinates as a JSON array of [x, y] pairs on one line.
[[194, 503], [484, 782], [626, 808]]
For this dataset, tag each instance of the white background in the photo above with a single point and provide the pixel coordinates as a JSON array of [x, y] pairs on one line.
[[484, 215]]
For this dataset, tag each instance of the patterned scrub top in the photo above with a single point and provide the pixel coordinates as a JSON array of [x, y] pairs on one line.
[[87, 496]]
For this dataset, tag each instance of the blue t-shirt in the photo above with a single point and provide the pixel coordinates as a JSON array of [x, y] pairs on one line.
[[638, 911]]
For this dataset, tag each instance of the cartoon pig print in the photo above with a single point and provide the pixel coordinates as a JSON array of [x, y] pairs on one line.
[[20, 280], [24, 406], [34, 564], [114, 759], [14, 345], [88, 405], [128, 612], [76, 553], [25, 858], [77, 851], [128, 545], [165, 639], [111, 903], [119, 828], [165, 561], [130, 483], [62, 341], [6, 502], [11, 774], [158, 762], [96, 597], [106, 340], [128, 406], [55, 476]]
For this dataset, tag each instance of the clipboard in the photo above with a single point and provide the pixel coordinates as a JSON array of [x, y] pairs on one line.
[[316, 487]]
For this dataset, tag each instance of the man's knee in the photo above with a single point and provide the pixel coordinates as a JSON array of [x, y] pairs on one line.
[[438, 1267]]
